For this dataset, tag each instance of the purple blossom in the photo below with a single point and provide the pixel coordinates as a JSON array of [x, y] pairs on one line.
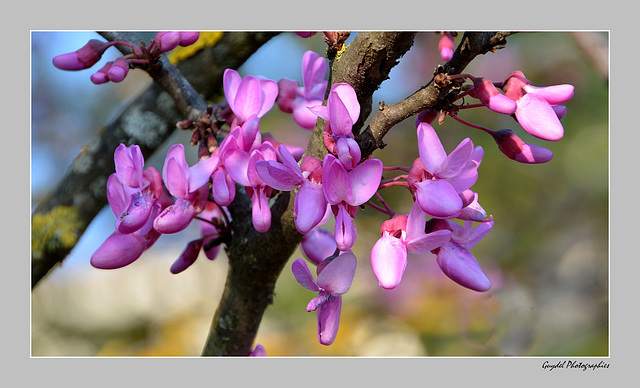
[[455, 257], [241, 166], [167, 40], [119, 70], [120, 249], [334, 279], [489, 95], [295, 99], [437, 179], [401, 235], [446, 45], [248, 96], [136, 196], [310, 204], [341, 112], [133, 190], [318, 244], [187, 257], [515, 148], [345, 191], [535, 105], [188, 185], [258, 351], [83, 58]]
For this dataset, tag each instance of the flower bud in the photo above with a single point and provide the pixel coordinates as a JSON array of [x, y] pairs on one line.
[[318, 244], [118, 70], [426, 116], [167, 41], [446, 46], [187, 38], [85, 57], [489, 96], [515, 148], [187, 257], [101, 76]]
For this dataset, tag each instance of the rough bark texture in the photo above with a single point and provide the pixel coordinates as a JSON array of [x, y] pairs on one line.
[[431, 95], [147, 121]]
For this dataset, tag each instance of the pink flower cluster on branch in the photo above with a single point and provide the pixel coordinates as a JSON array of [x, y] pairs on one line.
[[445, 220]]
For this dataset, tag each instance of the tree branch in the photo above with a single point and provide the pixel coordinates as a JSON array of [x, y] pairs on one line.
[[432, 94]]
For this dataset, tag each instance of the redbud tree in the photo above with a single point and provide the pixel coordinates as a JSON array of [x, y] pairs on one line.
[[256, 198]]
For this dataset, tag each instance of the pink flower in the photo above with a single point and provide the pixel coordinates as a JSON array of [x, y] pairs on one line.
[[136, 197], [187, 38], [118, 70], [401, 235], [248, 96], [305, 34], [295, 99], [334, 279], [455, 258], [446, 46], [318, 244], [168, 40], [310, 204], [346, 190], [133, 190], [341, 112], [535, 110], [120, 249], [515, 148], [83, 58], [437, 179], [188, 185], [488, 94], [209, 236], [258, 351]]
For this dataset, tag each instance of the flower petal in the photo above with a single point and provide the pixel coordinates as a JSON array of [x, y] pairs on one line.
[[365, 180], [337, 276], [277, 175], [135, 215], [339, 118], [175, 218], [223, 187], [461, 267], [428, 242], [389, 260], [538, 118], [309, 207], [438, 198], [453, 164], [345, 231], [303, 275], [336, 182], [117, 251], [318, 244], [349, 99], [329, 320], [260, 210], [200, 173], [430, 147]]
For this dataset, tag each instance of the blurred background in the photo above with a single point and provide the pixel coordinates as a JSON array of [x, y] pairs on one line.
[[547, 255]]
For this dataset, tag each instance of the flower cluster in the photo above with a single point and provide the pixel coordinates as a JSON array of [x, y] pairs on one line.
[[445, 219], [116, 70]]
